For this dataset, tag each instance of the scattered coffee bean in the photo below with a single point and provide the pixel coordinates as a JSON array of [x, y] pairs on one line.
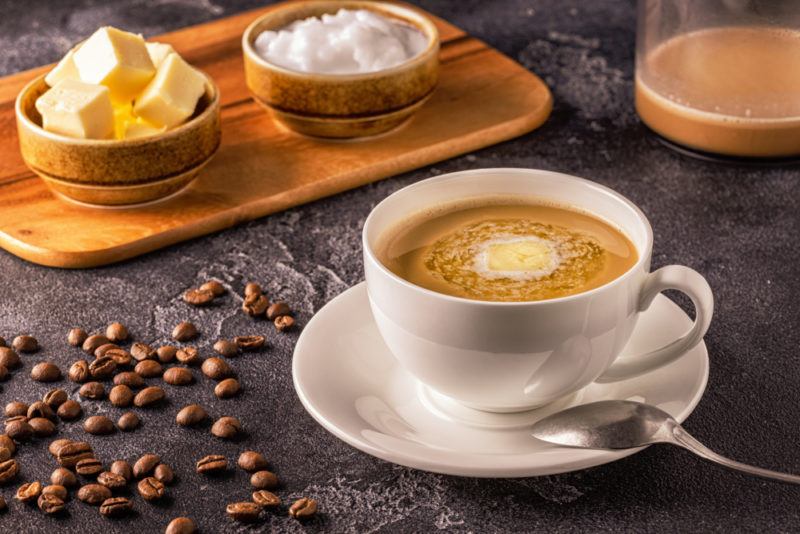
[[79, 371], [5, 454], [227, 388], [8, 471], [40, 409], [99, 425], [64, 477], [216, 368], [76, 337], [55, 445], [89, 467], [184, 331], [284, 323], [55, 398], [164, 474], [198, 297], [245, 512], [8, 443], [266, 499], [255, 305], [149, 396], [58, 490], [304, 508], [29, 492], [128, 421], [92, 390], [178, 376], [103, 368], [25, 343], [121, 396], [145, 465], [50, 504], [191, 415], [94, 494], [45, 372], [166, 353], [103, 350], [70, 410], [91, 343], [252, 461], [120, 356], [278, 309], [15, 408], [249, 342], [188, 356], [226, 348], [9, 359], [142, 351], [111, 480], [213, 463], [181, 525], [117, 332], [226, 428], [216, 288], [73, 452], [252, 289], [264, 480], [151, 489], [4, 372], [123, 469], [42, 427], [149, 369], [116, 507], [129, 378], [18, 428]]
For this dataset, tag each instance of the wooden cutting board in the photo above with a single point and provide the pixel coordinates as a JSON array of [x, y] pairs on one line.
[[483, 98]]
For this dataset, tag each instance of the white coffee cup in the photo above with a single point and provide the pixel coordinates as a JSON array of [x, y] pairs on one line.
[[512, 356]]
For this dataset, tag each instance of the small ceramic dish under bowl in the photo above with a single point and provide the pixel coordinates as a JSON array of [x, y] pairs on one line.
[[118, 172], [341, 105]]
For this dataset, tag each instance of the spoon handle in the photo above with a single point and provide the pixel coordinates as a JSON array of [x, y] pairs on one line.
[[685, 440]]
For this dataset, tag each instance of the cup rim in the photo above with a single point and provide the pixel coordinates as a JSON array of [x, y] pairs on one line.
[[644, 255]]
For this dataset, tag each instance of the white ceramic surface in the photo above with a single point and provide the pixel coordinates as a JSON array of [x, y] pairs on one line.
[[511, 356], [351, 384]]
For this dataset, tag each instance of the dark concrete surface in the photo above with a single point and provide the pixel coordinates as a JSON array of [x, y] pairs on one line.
[[737, 225]]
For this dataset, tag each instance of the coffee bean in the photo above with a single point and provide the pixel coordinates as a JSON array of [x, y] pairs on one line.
[[226, 428], [149, 396], [151, 489], [40, 409], [15, 408], [226, 348], [73, 452], [216, 368], [184, 331], [45, 372], [79, 371], [29, 492], [181, 525], [128, 421], [55, 445], [19, 429], [188, 356], [50, 504], [5, 454], [117, 332], [304, 508], [252, 289], [249, 342], [213, 463], [120, 356], [116, 507], [255, 305], [94, 494], [89, 467], [284, 323], [245, 512], [145, 465], [121, 396], [142, 351], [9, 359], [178, 376], [266, 499], [149, 368], [111, 480], [164, 474], [8, 470], [70, 410], [227, 388], [264, 480], [216, 288], [91, 343], [64, 477], [278, 309], [166, 353], [99, 425], [198, 297], [252, 461], [103, 350], [191, 415], [25, 343], [123, 469], [42, 427], [76, 337], [58, 490], [4, 372], [102, 368], [92, 390], [8, 443], [55, 398], [130, 379]]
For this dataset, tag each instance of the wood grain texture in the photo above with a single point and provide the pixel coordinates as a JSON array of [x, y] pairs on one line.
[[483, 98]]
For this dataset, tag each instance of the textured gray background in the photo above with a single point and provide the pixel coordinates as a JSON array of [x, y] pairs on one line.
[[737, 225]]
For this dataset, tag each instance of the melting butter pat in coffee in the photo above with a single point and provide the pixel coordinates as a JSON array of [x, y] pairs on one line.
[[526, 257]]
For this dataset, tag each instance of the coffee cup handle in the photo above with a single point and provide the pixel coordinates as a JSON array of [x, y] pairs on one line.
[[689, 282]]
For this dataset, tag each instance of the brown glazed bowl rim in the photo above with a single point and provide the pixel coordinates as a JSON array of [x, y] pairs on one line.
[[211, 90], [404, 14]]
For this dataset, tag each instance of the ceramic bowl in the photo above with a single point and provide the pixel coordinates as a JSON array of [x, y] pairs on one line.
[[341, 105], [118, 172]]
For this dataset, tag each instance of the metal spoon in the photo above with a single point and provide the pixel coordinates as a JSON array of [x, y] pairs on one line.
[[619, 424]]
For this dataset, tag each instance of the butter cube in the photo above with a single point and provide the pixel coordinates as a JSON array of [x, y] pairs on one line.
[[141, 128], [65, 70], [116, 59], [77, 109], [172, 95], [520, 255], [158, 52]]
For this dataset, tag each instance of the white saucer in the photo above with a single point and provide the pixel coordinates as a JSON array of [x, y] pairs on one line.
[[351, 384]]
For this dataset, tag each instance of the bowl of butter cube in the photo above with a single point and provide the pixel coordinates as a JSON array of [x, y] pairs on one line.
[[119, 121]]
